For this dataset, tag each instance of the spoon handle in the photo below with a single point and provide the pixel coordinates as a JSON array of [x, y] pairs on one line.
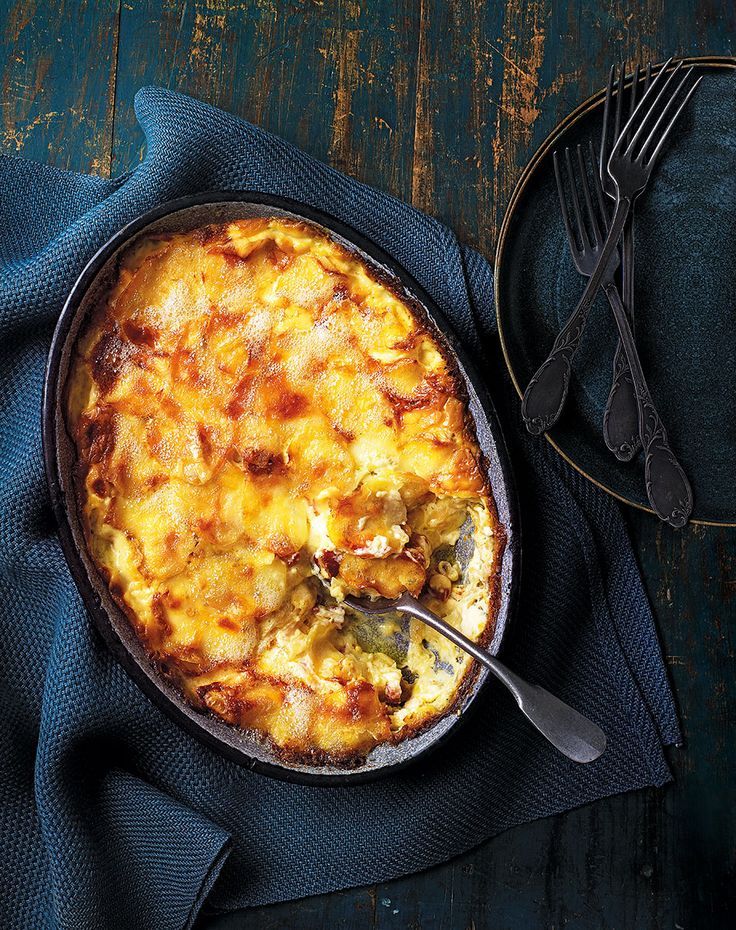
[[574, 735]]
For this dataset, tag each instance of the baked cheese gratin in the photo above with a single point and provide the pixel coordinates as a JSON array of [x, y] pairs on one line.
[[254, 407]]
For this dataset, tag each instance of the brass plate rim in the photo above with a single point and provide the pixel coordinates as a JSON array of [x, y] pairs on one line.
[[716, 62]]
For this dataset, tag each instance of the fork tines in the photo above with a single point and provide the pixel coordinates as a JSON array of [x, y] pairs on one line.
[[596, 215], [615, 90], [656, 113]]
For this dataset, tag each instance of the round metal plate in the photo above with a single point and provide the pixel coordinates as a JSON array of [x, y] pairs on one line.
[[685, 294]]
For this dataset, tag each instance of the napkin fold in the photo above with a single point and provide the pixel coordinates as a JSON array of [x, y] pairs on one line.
[[110, 815]]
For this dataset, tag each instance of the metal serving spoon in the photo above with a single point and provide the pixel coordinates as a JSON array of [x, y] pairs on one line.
[[574, 735]]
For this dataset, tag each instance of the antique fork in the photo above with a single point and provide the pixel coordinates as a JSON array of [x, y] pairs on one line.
[[667, 486], [620, 419], [630, 166]]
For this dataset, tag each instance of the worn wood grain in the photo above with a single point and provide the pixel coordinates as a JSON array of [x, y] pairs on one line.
[[440, 103], [58, 79], [336, 78]]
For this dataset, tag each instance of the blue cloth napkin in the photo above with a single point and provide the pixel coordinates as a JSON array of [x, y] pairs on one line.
[[110, 816]]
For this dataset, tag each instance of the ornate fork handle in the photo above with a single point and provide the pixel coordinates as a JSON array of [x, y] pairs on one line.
[[668, 489], [545, 395], [620, 419]]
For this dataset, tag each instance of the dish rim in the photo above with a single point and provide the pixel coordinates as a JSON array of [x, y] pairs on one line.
[[715, 62], [209, 729]]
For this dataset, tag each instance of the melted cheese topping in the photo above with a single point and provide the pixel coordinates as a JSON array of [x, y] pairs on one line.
[[253, 408]]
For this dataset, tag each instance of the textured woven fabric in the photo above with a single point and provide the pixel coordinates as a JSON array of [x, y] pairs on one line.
[[110, 816]]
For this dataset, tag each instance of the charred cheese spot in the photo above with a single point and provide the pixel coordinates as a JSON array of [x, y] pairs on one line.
[[251, 407]]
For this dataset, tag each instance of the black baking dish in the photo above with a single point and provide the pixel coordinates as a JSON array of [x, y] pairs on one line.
[[241, 746]]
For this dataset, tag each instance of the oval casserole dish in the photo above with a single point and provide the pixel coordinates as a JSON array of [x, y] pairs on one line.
[[245, 398]]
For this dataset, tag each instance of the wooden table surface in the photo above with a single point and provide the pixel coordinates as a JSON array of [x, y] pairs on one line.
[[441, 104]]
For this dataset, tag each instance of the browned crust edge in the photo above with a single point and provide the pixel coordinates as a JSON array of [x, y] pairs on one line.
[[313, 756]]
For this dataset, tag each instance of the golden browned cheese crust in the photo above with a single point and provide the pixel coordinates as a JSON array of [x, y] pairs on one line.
[[253, 408]]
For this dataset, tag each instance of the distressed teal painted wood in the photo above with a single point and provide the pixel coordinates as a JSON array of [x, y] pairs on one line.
[[440, 103], [335, 79], [58, 75]]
